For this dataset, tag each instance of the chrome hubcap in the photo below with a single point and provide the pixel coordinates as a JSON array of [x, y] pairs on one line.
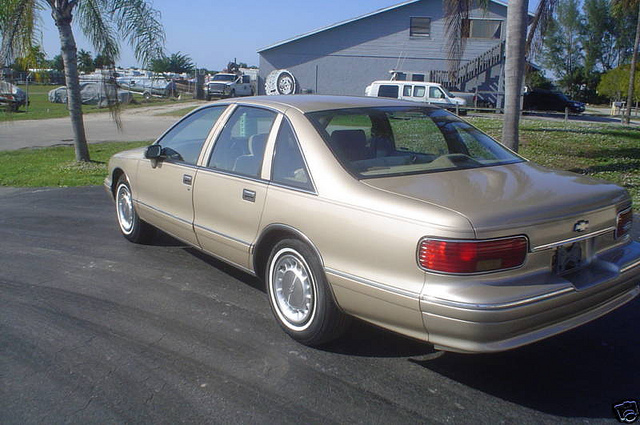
[[293, 289], [286, 85], [125, 210]]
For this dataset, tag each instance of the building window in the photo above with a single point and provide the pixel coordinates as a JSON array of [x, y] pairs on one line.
[[482, 28], [420, 27]]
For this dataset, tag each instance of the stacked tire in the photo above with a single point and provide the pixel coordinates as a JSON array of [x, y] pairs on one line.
[[280, 81]]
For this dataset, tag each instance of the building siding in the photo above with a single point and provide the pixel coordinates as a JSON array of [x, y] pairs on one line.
[[346, 58]]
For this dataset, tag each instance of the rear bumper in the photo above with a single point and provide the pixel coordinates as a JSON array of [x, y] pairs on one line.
[[610, 282]]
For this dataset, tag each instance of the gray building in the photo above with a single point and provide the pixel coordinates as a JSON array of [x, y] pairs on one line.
[[346, 57]]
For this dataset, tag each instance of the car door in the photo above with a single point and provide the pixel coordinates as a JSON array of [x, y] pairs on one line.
[[419, 93], [246, 85], [164, 187], [407, 92], [437, 97], [229, 193]]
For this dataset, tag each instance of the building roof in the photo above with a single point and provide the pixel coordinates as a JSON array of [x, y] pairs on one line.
[[338, 24]]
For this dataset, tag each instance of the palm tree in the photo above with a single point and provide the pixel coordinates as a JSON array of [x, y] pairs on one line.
[[517, 46], [102, 21], [630, 5], [85, 61], [514, 68], [177, 63]]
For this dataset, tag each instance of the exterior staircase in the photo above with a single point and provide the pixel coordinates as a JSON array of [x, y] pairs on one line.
[[481, 74]]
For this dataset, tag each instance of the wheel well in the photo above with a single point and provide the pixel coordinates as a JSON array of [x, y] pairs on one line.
[[117, 173], [266, 243]]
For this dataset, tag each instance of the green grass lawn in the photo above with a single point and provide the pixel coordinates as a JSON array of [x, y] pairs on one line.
[[180, 112], [56, 166], [605, 151], [41, 108]]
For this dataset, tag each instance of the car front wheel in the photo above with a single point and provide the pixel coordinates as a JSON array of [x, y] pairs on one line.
[[131, 226], [299, 295]]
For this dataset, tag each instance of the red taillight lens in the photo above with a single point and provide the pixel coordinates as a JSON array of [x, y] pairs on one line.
[[472, 256], [624, 222]]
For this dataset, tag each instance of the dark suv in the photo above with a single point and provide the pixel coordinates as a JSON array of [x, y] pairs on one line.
[[548, 100]]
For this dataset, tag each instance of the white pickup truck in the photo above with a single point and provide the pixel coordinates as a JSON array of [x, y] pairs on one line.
[[415, 91], [228, 85]]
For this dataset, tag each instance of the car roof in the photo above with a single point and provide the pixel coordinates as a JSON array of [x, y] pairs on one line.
[[415, 83], [313, 103]]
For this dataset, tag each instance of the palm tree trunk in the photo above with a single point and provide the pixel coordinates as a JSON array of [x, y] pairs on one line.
[[632, 72], [62, 19], [517, 15]]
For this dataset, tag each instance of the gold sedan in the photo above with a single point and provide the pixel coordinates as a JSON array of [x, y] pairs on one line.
[[401, 215]]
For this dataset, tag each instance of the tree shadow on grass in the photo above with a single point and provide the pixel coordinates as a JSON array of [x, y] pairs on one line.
[[618, 167], [626, 132]]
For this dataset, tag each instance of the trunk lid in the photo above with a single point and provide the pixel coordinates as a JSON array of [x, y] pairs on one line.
[[522, 198]]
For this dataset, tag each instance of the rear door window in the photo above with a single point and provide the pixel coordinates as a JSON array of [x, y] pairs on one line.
[[240, 147], [288, 166]]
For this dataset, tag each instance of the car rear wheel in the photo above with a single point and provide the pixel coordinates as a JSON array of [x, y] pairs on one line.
[[131, 226], [299, 295]]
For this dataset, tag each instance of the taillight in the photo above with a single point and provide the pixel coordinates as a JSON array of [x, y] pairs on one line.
[[452, 256], [624, 222]]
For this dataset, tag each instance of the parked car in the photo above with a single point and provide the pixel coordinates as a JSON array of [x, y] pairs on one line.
[[12, 96], [548, 100], [229, 85], [400, 214], [93, 93], [414, 91], [148, 86]]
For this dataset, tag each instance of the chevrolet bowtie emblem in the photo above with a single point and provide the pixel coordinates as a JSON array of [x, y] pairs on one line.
[[581, 226]]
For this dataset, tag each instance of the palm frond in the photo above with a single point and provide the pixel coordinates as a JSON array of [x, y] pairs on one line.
[[456, 14], [19, 28], [539, 25], [140, 24], [98, 27]]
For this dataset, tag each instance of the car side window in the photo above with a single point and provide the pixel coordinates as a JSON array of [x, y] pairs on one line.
[[288, 167], [184, 141], [387, 90], [240, 147], [435, 93], [419, 91]]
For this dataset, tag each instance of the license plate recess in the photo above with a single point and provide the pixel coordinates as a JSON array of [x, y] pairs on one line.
[[569, 258]]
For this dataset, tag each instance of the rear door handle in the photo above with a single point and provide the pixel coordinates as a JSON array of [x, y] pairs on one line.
[[248, 195], [187, 179]]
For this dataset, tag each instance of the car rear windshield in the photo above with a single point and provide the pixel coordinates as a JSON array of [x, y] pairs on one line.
[[379, 142]]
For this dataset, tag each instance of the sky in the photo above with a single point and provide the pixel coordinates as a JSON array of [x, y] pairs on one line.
[[213, 33]]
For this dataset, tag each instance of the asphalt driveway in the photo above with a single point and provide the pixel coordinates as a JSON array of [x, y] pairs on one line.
[[138, 124], [94, 329]]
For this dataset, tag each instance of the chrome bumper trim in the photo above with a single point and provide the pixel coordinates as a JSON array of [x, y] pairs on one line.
[[630, 266], [572, 240], [497, 306]]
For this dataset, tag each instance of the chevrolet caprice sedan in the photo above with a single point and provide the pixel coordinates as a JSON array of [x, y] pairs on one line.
[[401, 215]]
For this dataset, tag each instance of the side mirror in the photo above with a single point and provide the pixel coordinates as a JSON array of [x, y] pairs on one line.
[[153, 152]]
